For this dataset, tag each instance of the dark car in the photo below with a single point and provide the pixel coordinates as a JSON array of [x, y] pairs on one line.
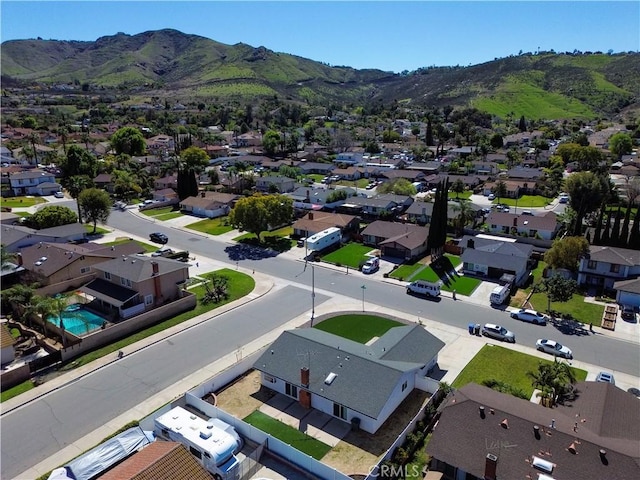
[[158, 237]]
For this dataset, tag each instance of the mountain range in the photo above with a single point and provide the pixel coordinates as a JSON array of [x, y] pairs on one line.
[[168, 63]]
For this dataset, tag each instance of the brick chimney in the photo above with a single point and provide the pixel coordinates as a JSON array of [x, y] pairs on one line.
[[202, 194], [490, 467], [471, 243], [515, 221], [304, 377], [310, 215], [154, 268]]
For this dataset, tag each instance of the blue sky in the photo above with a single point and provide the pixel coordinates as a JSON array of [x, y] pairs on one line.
[[389, 35]]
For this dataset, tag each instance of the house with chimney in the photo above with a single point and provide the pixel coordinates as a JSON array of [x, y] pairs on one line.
[[61, 266], [398, 240], [209, 204], [492, 258], [357, 383], [604, 266], [282, 184], [133, 284], [482, 434], [317, 221], [15, 237], [525, 225], [34, 182]]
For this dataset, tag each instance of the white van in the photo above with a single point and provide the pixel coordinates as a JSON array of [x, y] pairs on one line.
[[500, 294], [371, 265], [422, 287]]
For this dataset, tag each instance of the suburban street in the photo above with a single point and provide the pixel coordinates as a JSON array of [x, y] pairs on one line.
[[48, 424]]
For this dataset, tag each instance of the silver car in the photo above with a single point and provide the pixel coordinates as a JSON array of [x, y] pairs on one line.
[[531, 316], [554, 348], [498, 332]]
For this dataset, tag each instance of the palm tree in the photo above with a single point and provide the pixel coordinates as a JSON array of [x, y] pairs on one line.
[[75, 186], [20, 297], [34, 138], [465, 215], [555, 380], [51, 307]]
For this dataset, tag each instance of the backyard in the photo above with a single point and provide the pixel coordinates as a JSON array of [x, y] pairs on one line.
[[352, 254], [505, 365], [212, 226], [359, 328]]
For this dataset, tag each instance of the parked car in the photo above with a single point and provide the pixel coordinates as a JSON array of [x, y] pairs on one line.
[[491, 196], [531, 316], [422, 287], [628, 312], [606, 378], [554, 348], [58, 195], [371, 265], [158, 237], [498, 332]]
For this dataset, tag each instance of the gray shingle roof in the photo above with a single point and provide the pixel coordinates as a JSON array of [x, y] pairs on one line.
[[138, 267], [366, 375], [631, 286], [615, 255]]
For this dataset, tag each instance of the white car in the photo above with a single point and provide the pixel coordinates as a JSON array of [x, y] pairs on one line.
[[491, 196], [554, 348], [498, 332], [531, 316], [58, 195]]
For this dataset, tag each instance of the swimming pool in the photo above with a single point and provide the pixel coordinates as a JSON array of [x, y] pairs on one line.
[[78, 320]]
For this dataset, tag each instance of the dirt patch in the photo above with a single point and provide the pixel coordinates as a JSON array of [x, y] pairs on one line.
[[356, 453]]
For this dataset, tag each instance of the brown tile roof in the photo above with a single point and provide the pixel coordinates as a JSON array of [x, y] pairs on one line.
[[463, 437], [6, 340], [319, 221], [547, 222], [405, 234], [159, 461]]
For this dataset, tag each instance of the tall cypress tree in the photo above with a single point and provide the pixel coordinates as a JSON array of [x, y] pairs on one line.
[[615, 234], [606, 239], [624, 234], [598, 232], [634, 237], [429, 134], [181, 184], [444, 206], [192, 183], [436, 222]]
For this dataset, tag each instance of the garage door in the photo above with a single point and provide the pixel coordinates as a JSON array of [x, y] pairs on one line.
[[628, 298]]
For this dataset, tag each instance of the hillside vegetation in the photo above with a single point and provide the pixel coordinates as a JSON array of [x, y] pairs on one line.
[[170, 63]]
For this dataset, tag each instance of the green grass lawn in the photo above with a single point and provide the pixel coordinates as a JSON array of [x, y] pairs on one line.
[[291, 436], [99, 230], [278, 240], [403, 272], [441, 271], [212, 226], [352, 254], [587, 313], [15, 391], [168, 216], [525, 201], [162, 214], [362, 183], [464, 195], [148, 248], [359, 328], [21, 202], [505, 365]]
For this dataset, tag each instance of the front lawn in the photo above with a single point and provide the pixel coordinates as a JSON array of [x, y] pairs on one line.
[[404, 272], [352, 254], [212, 226], [443, 270], [289, 435], [163, 213], [587, 313], [99, 230], [525, 201], [505, 365], [278, 240], [21, 202], [148, 248], [359, 328], [464, 195]]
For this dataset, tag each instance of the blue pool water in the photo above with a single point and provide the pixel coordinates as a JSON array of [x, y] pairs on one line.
[[78, 320]]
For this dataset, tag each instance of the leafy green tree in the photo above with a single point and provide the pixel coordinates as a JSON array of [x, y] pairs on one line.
[[554, 380], [557, 288], [522, 124], [621, 144], [195, 158], [52, 216], [270, 141], [397, 186], [500, 190], [289, 171], [566, 253], [337, 195], [390, 136], [466, 214], [20, 298], [438, 227], [128, 140], [95, 206], [429, 134], [496, 141], [587, 192], [126, 185], [615, 233], [457, 187], [78, 162], [75, 186], [259, 213]]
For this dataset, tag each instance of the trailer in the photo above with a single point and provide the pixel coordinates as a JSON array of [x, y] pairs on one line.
[[212, 442], [324, 239]]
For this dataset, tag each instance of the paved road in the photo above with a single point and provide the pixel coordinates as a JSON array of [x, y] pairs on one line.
[[595, 349], [40, 429]]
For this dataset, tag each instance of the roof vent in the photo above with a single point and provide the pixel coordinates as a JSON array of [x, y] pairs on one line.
[[536, 432], [205, 434], [481, 409], [504, 423], [572, 448], [542, 464], [330, 378], [492, 411]]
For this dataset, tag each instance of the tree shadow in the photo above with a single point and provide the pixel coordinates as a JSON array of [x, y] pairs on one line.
[[569, 326], [445, 270], [248, 252]]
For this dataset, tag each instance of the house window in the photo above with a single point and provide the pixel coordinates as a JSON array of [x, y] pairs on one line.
[[195, 452], [339, 411], [269, 378], [592, 264], [107, 276], [125, 282], [291, 390], [404, 386], [85, 269], [494, 226], [615, 268], [148, 299]]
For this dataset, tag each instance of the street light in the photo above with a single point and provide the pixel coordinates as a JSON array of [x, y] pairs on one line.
[[364, 287]]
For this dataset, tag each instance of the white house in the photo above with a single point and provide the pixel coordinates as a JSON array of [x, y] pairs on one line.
[[606, 265], [209, 204], [34, 182], [494, 258], [357, 383], [538, 226]]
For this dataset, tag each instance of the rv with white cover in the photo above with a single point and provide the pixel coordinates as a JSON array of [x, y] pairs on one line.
[[213, 442], [500, 294], [324, 239]]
